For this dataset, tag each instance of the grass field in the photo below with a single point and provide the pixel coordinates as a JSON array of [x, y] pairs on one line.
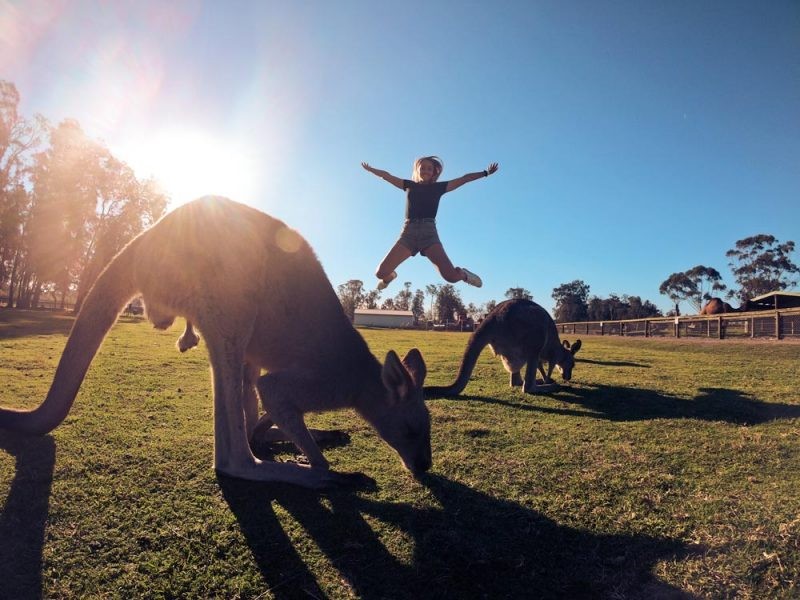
[[666, 470]]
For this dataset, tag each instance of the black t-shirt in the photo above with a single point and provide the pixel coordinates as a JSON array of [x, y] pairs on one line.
[[422, 199]]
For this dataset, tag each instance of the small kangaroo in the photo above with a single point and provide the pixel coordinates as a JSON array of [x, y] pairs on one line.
[[520, 332], [260, 298]]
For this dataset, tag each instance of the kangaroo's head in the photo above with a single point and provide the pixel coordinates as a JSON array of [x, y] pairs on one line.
[[406, 423], [565, 361]]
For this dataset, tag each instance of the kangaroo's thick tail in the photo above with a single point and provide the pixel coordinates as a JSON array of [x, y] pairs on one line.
[[477, 342], [102, 305]]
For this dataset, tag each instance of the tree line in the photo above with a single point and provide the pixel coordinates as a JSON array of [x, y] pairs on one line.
[[438, 302], [67, 206], [760, 264]]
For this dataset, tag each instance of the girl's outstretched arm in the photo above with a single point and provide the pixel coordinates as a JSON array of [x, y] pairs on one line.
[[456, 183], [395, 181]]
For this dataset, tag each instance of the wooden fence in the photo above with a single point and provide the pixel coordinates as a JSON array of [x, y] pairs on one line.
[[775, 324]]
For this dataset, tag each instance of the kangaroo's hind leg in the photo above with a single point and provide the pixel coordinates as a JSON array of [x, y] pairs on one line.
[[515, 379], [277, 391], [189, 338], [531, 386]]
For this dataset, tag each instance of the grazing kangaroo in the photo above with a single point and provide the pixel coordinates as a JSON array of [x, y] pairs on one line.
[[520, 332], [259, 296]]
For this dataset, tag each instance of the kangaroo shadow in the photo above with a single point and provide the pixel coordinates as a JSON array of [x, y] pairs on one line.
[[710, 404], [471, 545], [619, 403], [24, 514], [19, 324], [612, 363]]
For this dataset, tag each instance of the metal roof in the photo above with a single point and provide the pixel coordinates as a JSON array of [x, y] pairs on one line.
[[771, 294]]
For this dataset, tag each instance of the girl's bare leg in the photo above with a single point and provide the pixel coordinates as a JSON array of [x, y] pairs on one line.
[[438, 257], [392, 260]]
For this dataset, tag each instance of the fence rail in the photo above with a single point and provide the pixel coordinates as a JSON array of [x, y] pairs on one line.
[[777, 324]]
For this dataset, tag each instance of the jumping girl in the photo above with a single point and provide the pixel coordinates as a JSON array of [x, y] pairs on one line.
[[419, 231]]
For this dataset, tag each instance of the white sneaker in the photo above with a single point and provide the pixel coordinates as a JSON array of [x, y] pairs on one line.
[[382, 285], [471, 278]]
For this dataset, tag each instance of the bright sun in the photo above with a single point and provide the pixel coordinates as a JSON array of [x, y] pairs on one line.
[[189, 164]]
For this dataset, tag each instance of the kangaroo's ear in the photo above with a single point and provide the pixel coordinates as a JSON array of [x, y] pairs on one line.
[[395, 377], [565, 343], [575, 347], [415, 364]]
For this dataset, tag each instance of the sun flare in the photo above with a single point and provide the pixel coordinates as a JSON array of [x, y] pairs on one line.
[[190, 164]]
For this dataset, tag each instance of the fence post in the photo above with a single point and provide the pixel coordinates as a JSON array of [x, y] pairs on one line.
[[777, 324], [602, 327], [720, 335], [647, 329], [677, 327]]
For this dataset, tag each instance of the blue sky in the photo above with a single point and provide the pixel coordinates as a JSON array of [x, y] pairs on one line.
[[635, 139]]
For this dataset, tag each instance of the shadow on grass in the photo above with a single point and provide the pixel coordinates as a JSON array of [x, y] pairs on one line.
[[471, 546], [612, 363], [24, 515], [28, 323], [619, 403]]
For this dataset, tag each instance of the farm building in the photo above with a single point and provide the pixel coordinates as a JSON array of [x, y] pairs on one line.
[[366, 317], [775, 301]]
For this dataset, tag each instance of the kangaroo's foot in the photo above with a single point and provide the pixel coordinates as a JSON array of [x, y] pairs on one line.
[[516, 379], [541, 388], [267, 433], [189, 339]]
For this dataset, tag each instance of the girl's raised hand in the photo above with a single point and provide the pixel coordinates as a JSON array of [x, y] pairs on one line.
[[492, 168]]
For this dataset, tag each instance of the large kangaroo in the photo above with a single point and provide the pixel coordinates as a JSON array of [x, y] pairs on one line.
[[520, 332], [260, 298]]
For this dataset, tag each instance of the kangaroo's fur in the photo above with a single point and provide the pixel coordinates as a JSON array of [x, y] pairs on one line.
[[259, 296], [520, 332]]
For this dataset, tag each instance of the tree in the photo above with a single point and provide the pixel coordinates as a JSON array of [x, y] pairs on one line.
[[19, 139], [86, 206], [518, 292], [418, 305], [761, 264], [707, 280], [571, 301], [433, 292], [370, 300], [351, 295], [403, 299], [677, 287], [474, 312], [448, 303], [693, 286], [615, 308], [638, 309]]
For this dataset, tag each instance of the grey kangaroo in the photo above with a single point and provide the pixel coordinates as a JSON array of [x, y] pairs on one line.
[[520, 332], [260, 298]]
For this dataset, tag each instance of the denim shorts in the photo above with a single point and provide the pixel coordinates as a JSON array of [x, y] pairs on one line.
[[418, 235]]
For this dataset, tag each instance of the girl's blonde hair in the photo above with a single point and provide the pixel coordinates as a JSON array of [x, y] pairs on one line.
[[438, 167]]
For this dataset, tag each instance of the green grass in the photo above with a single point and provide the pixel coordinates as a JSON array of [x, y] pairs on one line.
[[666, 470]]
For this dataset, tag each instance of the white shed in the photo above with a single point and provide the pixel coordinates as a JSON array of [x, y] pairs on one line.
[[369, 317]]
